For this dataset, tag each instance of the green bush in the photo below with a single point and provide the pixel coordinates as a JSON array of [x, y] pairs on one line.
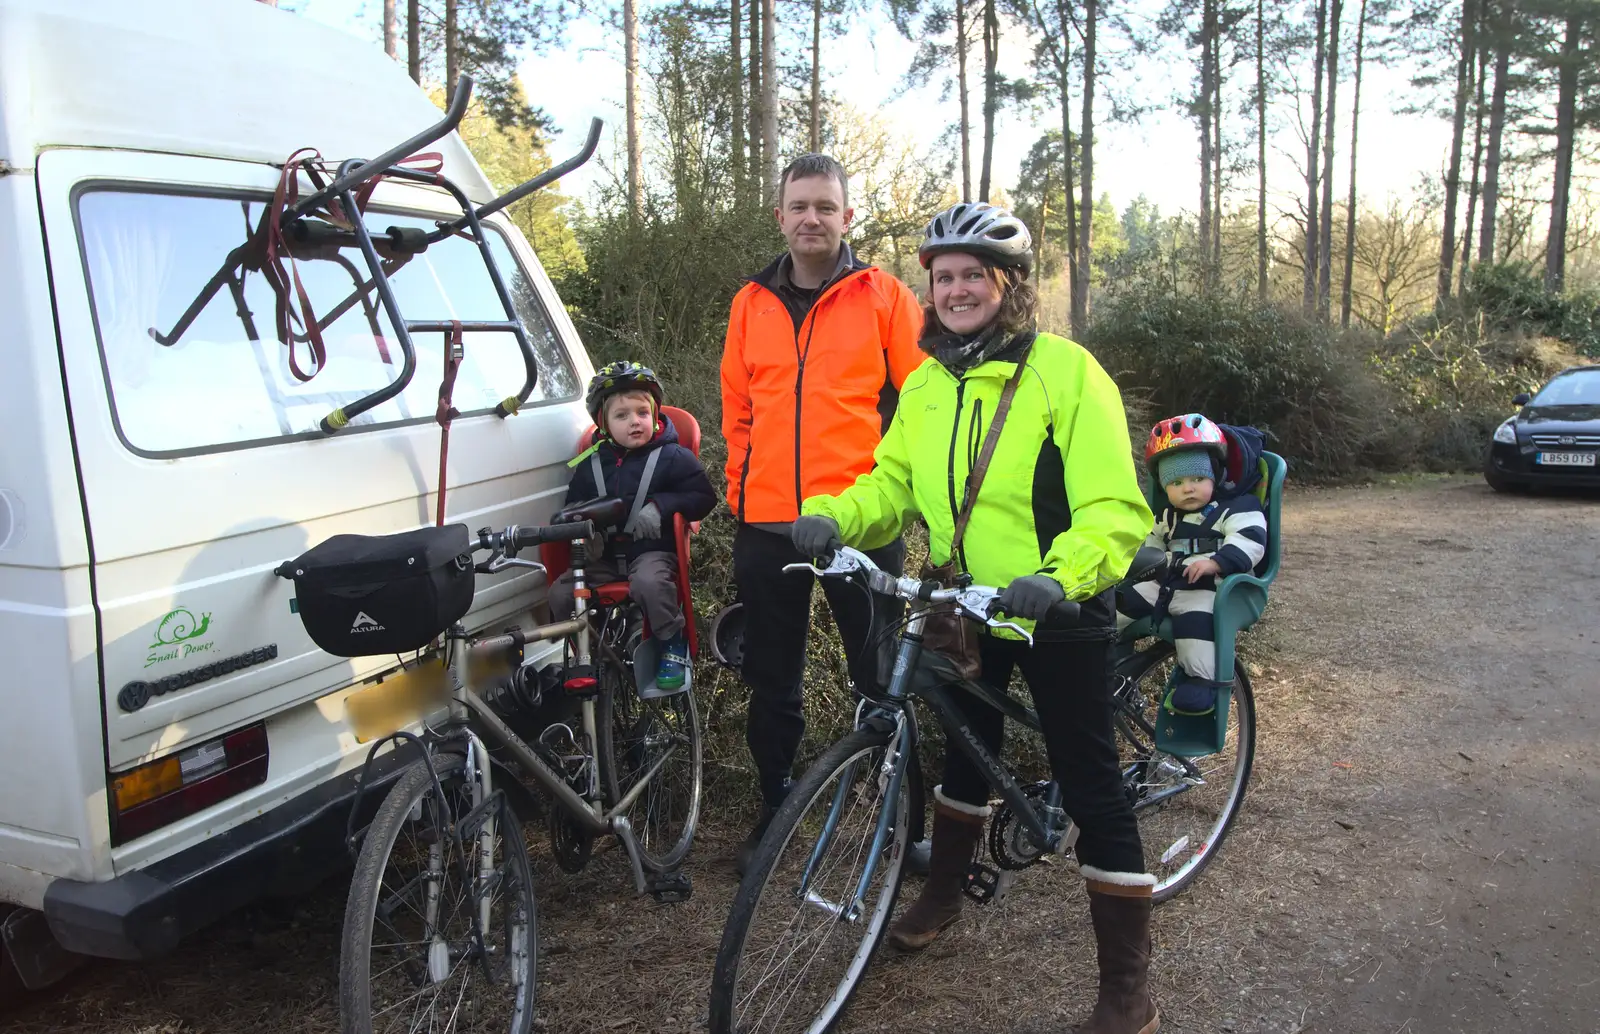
[[1511, 297], [1239, 362]]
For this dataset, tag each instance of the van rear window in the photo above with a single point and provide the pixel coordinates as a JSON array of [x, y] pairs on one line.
[[226, 381]]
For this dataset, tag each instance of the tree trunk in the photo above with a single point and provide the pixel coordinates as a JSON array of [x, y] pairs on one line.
[[757, 98], [769, 91], [991, 93], [1216, 152], [1477, 167], [736, 63], [1208, 40], [1080, 295], [1452, 176], [414, 41], [1555, 252], [391, 30], [1497, 125], [1261, 150], [1350, 206], [1325, 223], [630, 57], [452, 47], [1313, 146], [1063, 63], [963, 44], [816, 76]]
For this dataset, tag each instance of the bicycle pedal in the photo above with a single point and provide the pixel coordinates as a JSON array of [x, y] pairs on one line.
[[982, 883], [670, 888]]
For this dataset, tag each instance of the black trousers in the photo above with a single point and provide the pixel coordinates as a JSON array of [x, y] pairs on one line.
[[1071, 687], [777, 620]]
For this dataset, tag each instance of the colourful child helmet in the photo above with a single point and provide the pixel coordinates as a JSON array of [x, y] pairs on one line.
[[1187, 433], [620, 376]]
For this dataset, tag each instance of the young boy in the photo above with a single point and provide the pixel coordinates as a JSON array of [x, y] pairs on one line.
[[1208, 534], [637, 443]]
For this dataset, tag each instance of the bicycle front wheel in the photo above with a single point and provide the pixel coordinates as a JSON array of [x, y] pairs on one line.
[[1185, 806], [657, 741], [417, 954], [817, 898]]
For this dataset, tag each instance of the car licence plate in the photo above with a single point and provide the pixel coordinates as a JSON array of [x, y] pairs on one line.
[[1566, 459], [396, 702]]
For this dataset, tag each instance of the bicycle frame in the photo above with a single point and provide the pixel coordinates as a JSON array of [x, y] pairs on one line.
[[1054, 837], [472, 717]]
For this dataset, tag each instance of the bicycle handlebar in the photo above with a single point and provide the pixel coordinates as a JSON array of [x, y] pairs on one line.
[[518, 537], [977, 602]]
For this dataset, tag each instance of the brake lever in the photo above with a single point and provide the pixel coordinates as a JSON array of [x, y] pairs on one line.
[[979, 604], [501, 562], [845, 560]]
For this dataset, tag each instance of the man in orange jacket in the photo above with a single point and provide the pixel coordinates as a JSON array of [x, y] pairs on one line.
[[818, 344]]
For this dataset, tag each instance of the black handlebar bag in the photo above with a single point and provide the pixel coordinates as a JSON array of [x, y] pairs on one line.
[[368, 595]]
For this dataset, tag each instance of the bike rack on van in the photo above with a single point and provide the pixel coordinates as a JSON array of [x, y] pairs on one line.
[[343, 200]]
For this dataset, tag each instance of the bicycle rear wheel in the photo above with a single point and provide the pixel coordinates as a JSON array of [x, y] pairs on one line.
[[410, 960], [817, 898], [1185, 806], [635, 737]]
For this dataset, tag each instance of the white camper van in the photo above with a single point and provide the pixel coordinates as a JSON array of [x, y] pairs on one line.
[[172, 743]]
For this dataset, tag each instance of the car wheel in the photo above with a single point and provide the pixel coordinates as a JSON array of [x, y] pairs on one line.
[[1501, 484]]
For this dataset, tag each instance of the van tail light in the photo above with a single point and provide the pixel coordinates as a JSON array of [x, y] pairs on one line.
[[159, 793]]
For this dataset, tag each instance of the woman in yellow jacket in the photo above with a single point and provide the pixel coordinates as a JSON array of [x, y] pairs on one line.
[[1058, 516]]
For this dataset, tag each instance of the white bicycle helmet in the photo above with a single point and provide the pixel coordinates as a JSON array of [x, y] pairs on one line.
[[976, 228]]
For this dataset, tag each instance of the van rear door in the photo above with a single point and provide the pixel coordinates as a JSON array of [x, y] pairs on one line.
[[202, 465]]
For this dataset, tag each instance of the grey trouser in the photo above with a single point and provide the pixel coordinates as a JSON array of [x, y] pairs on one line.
[[652, 581]]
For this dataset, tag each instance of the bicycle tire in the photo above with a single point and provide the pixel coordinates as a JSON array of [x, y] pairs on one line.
[[860, 754], [411, 802], [664, 841], [1179, 848]]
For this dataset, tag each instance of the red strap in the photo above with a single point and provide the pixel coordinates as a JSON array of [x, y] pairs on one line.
[[453, 354], [291, 315]]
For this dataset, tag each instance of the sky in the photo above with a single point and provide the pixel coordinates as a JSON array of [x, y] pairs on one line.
[[1157, 156]]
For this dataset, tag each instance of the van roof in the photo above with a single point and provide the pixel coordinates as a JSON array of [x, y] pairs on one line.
[[220, 78]]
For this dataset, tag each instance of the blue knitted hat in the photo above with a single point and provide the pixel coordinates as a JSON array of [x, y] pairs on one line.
[[1187, 464]]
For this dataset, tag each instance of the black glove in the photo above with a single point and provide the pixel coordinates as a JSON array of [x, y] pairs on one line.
[[815, 536], [1031, 597]]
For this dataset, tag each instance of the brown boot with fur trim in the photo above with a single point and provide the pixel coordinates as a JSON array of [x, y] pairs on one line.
[[1119, 905], [956, 829]]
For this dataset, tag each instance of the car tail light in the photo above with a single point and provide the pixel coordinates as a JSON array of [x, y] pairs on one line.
[[159, 793]]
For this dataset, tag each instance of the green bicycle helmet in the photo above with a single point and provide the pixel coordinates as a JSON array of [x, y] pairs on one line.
[[620, 376]]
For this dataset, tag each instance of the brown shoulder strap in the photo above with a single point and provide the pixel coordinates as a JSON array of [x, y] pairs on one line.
[[985, 454]]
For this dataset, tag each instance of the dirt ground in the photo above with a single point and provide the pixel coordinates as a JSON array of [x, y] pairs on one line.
[[1419, 851]]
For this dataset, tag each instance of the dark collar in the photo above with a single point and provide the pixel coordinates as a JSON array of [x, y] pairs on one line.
[[777, 275]]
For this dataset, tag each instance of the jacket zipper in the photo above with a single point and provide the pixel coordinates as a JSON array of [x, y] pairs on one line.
[[955, 435], [799, 381]]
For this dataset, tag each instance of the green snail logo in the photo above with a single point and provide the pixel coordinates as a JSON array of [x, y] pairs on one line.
[[178, 626]]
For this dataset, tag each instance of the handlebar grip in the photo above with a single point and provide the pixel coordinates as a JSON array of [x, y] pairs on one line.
[[554, 533]]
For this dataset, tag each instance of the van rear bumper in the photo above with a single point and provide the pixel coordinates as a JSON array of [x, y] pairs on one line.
[[145, 913]]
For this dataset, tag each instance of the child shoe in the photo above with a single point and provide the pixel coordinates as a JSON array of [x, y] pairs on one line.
[[1192, 697], [674, 665]]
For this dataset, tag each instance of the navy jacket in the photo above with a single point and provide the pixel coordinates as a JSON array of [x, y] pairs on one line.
[[678, 485]]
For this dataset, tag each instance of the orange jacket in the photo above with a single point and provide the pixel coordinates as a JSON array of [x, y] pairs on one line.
[[801, 411]]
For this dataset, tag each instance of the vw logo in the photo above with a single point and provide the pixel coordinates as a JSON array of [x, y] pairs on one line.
[[1567, 439]]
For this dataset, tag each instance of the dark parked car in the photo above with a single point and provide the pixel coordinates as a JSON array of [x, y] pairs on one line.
[[1554, 439]]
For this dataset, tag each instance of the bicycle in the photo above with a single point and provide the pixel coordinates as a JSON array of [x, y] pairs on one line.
[[441, 916], [816, 901]]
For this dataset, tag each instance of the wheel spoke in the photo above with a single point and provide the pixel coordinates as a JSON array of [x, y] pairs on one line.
[[1184, 806]]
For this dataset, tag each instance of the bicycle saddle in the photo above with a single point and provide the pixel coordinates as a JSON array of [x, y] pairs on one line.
[[605, 513], [1148, 563]]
